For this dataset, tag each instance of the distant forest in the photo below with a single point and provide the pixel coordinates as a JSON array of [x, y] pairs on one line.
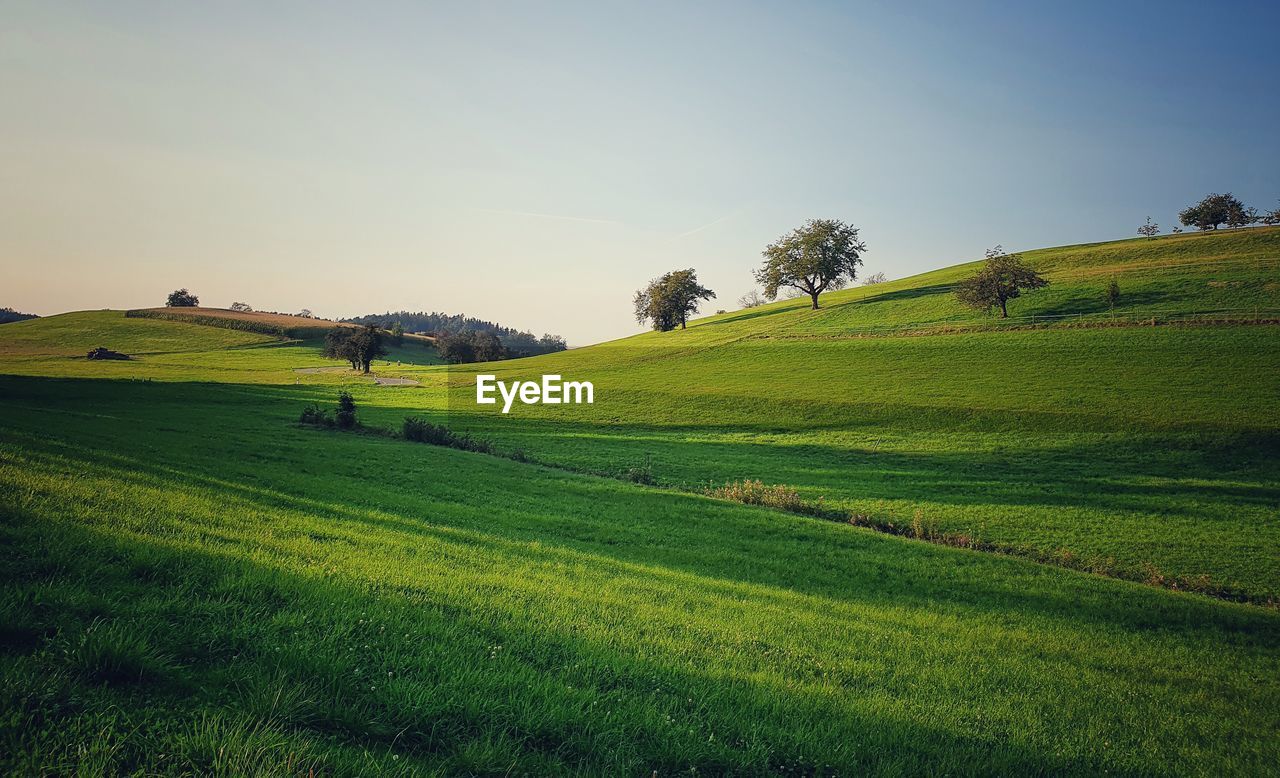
[[517, 343], [8, 315]]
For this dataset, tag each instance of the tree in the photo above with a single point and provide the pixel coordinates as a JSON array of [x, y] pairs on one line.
[[751, 299], [670, 300], [820, 255], [1001, 279], [345, 415], [1213, 210], [873, 279], [181, 298], [487, 347], [244, 307], [1176, 230], [1242, 217], [1149, 229], [1113, 294], [455, 347], [549, 343], [305, 313], [397, 333], [1272, 217], [359, 347]]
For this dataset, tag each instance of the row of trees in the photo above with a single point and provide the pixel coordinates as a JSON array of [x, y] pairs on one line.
[[1214, 211], [10, 315], [459, 330]]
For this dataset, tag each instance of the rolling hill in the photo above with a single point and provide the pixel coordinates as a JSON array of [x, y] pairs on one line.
[[192, 574]]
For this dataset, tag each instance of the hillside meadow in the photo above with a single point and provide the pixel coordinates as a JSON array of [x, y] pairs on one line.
[[197, 584]]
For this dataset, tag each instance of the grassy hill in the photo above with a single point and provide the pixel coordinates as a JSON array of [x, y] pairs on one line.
[[192, 574], [1141, 451]]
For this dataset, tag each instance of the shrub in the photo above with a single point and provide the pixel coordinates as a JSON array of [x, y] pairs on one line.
[[750, 492], [345, 417], [423, 431], [316, 416]]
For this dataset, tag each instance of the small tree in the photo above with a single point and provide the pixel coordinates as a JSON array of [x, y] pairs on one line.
[[1113, 294], [397, 333], [1271, 217], [751, 299], [873, 279], [1243, 217], [243, 307], [1150, 229], [1176, 230], [181, 298], [1003, 278], [549, 344], [670, 300], [305, 313], [345, 416], [1213, 210], [822, 254]]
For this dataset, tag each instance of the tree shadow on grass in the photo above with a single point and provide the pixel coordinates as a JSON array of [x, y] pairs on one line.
[[540, 695]]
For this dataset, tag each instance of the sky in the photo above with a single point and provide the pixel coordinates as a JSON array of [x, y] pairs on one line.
[[535, 163]]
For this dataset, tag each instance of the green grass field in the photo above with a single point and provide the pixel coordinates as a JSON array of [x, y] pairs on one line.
[[196, 584]]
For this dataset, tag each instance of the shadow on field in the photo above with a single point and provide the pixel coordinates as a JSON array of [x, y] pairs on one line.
[[219, 621], [264, 463]]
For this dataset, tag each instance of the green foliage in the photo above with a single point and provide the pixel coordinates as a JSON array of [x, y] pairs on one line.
[[181, 298], [1113, 294], [820, 255], [358, 347], [1150, 229], [8, 315], [422, 431], [670, 300], [344, 417], [1002, 278], [1215, 210]]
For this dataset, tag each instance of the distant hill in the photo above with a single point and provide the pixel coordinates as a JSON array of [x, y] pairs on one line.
[[518, 342]]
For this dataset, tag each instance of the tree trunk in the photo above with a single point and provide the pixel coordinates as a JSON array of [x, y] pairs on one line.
[[1004, 310], [814, 296]]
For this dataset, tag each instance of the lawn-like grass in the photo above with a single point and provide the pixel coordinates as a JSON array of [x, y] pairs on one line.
[[194, 584]]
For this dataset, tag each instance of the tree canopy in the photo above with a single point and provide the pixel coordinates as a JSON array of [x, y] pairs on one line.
[[1217, 209], [670, 299], [820, 255], [359, 347], [1003, 278], [181, 298]]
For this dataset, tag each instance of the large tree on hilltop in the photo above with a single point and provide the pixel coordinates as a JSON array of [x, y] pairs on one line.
[[822, 254], [1217, 209]]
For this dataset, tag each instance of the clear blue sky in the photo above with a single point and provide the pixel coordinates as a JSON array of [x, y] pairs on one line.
[[535, 163]]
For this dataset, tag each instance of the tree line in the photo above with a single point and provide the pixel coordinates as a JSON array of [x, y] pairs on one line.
[[461, 338], [823, 255], [8, 315]]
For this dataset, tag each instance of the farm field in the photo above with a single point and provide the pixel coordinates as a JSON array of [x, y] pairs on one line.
[[192, 574]]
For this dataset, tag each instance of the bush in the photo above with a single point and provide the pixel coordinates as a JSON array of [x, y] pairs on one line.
[[345, 416], [316, 416], [423, 431], [751, 492]]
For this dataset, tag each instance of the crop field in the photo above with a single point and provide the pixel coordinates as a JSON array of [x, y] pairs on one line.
[[194, 583]]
